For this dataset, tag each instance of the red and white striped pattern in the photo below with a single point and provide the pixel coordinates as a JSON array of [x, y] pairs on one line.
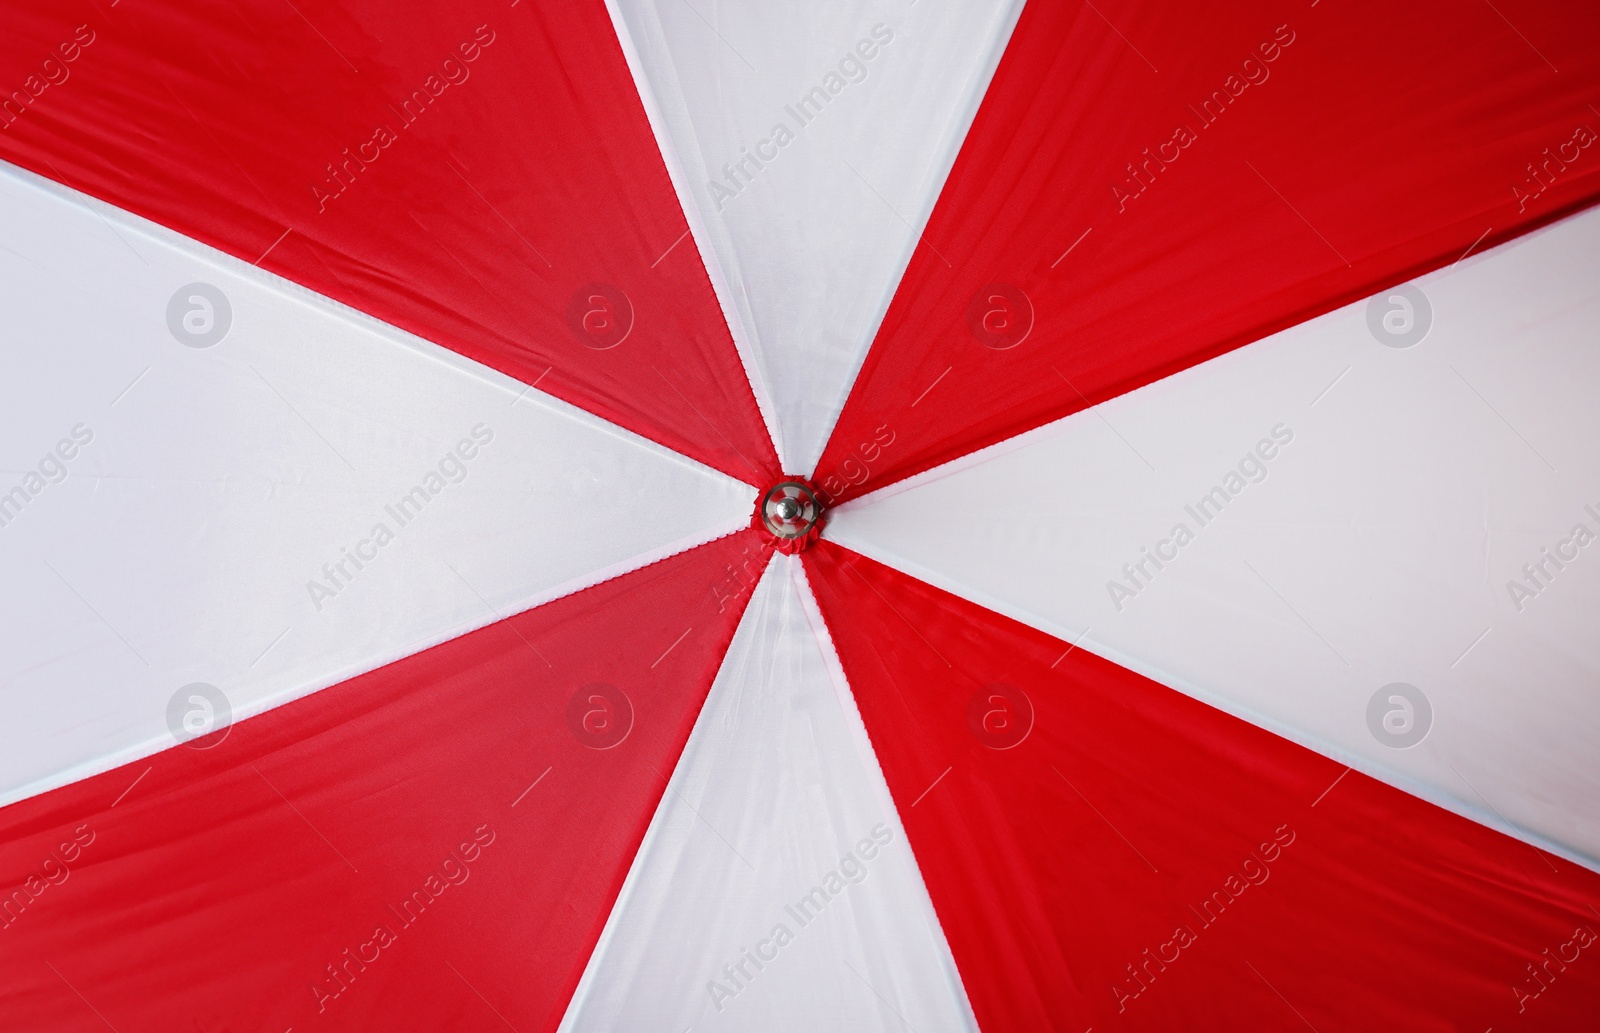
[[567, 746]]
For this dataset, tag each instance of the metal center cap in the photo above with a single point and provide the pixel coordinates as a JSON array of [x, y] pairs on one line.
[[790, 509]]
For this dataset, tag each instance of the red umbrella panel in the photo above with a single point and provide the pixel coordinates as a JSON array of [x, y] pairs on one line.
[[652, 514]]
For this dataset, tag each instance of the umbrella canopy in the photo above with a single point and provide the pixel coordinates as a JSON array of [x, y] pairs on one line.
[[670, 515]]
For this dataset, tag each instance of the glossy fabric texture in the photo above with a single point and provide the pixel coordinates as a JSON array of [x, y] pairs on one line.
[[1147, 186], [1289, 528], [309, 496], [776, 865], [1102, 850], [309, 867], [435, 166], [809, 143], [549, 772]]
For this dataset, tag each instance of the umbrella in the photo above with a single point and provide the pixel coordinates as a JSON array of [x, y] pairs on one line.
[[674, 515]]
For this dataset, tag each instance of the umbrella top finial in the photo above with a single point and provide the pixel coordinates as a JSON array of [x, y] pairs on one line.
[[791, 512]]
